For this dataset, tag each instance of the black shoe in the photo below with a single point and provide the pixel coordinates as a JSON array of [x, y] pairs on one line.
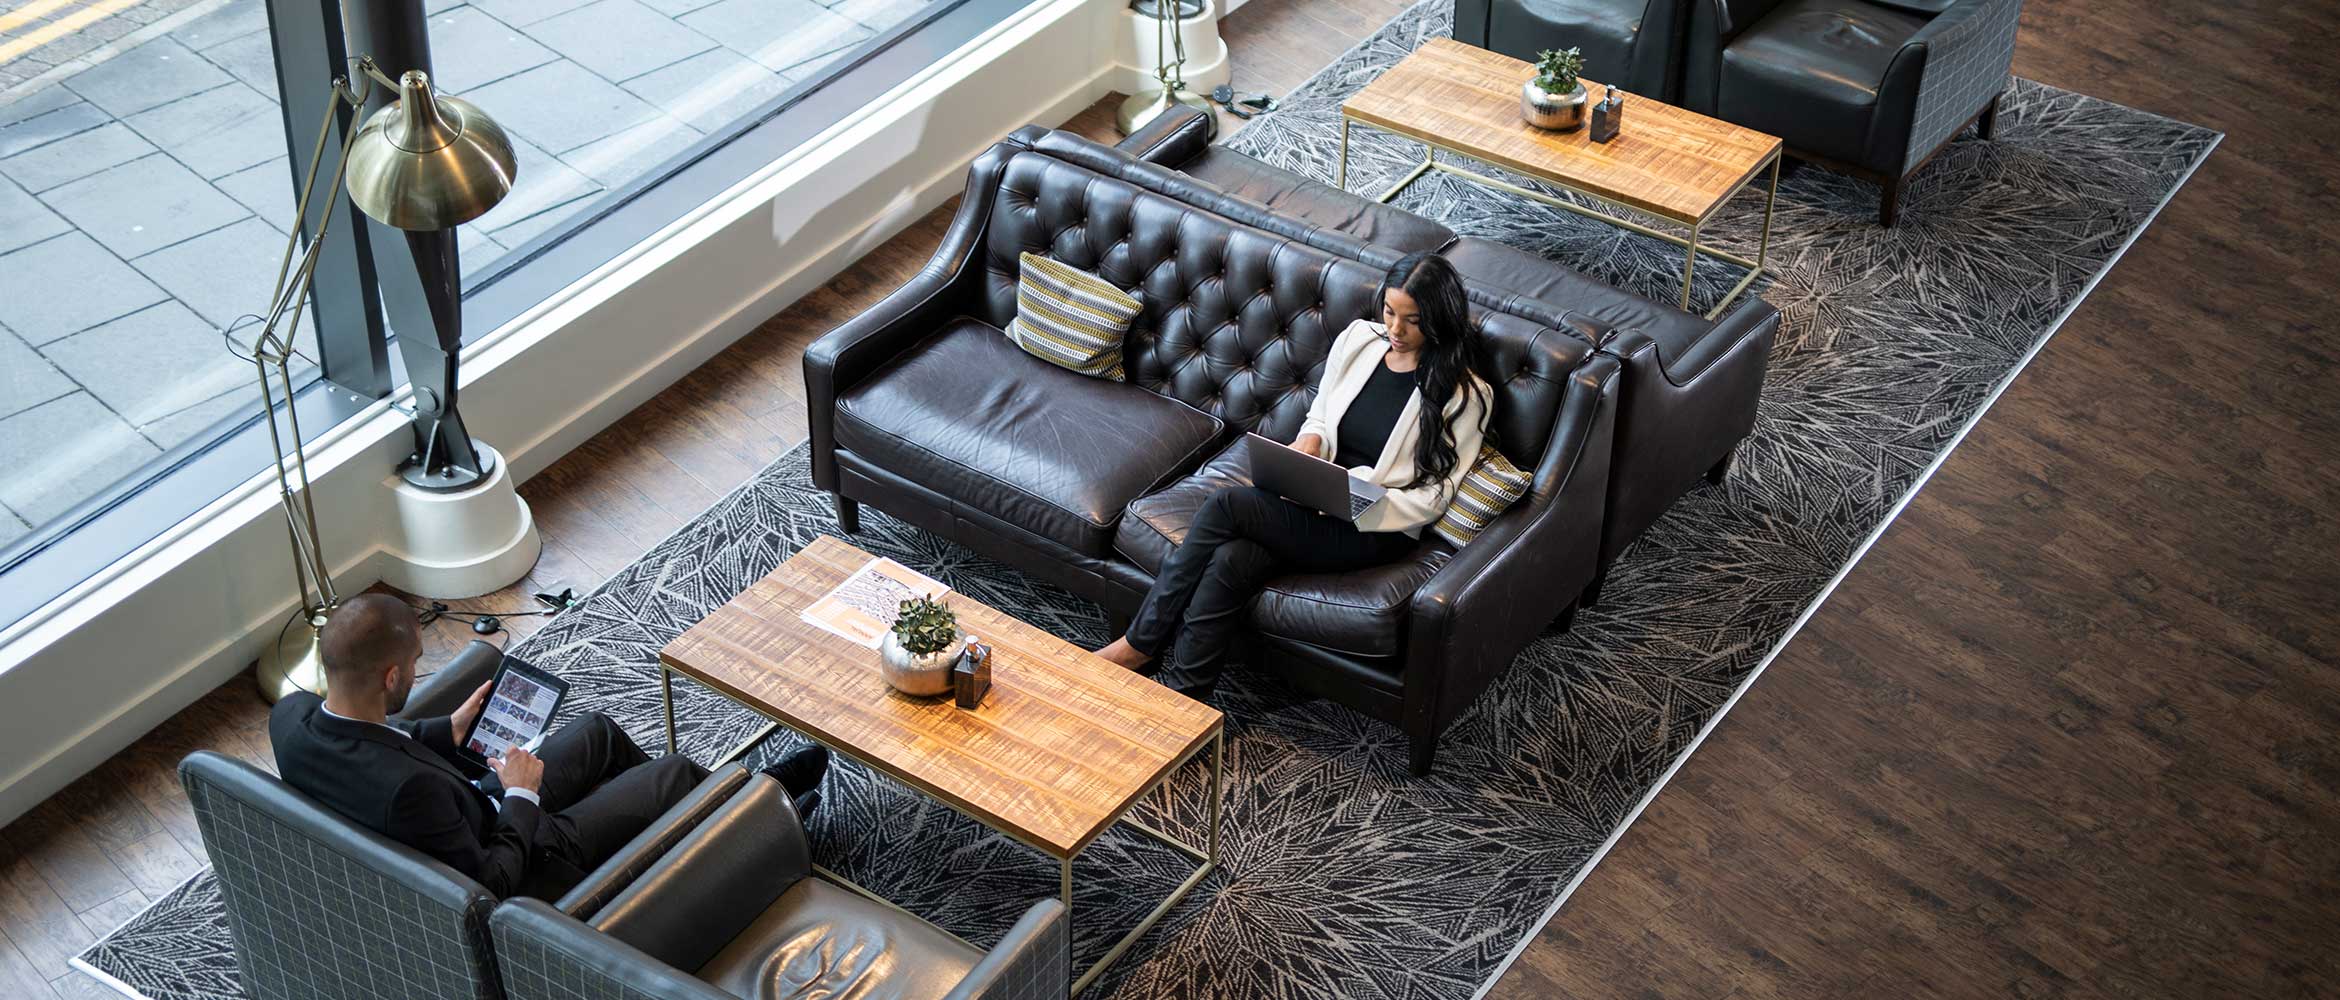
[[801, 770], [806, 805]]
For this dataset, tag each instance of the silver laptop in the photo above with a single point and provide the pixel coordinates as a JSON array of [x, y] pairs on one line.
[[1308, 480]]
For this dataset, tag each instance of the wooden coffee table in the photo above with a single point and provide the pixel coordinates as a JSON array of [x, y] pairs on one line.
[[1678, 165], [1065, 744]]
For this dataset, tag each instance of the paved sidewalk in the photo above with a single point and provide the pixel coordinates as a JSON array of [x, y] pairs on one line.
[[144, 199]]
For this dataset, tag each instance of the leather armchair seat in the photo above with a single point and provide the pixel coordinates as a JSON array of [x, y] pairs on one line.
[[1361, 613], [735, 912], [1634, 45], [1027, 442], [1813, 69]]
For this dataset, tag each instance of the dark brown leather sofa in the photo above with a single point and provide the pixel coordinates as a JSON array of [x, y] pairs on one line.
[[922, 407]]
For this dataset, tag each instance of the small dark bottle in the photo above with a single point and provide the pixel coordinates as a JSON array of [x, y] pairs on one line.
[[1608, 116], [971, 676]]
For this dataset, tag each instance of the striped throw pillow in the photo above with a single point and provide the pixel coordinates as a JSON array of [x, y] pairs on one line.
[[1070, 318], [1490, 488]]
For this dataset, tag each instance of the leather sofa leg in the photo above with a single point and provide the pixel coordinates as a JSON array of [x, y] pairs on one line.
[[1722, 469], [1889, 206], [1420, 748], [1567, 619], [1987, 126], [848, 513]]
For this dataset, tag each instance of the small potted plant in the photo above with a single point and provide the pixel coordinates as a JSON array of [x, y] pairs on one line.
[[1554, 99], [917, 653]]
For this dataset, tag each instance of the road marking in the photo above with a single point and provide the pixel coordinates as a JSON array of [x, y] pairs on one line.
[[29, 13], [62, 26]]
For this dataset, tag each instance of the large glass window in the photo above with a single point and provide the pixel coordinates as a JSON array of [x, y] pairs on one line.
[[147, 171]]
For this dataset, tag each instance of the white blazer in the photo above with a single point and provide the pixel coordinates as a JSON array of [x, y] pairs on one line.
[[1355, 354]]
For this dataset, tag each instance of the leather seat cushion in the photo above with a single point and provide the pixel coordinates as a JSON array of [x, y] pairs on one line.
[[1810, 70], [1317, 203], [971, 416], [1677, 333], [820, 940], [1604, 30], [1362, 613]]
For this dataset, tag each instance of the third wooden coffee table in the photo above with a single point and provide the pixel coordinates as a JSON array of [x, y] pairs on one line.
[[1675, 164], [1062, 748]]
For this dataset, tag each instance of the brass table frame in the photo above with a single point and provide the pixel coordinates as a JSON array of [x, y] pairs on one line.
[[1755, 268], [1207, 855]]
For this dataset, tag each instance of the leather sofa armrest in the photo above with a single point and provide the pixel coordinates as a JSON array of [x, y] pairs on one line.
[[1172, 137], [943, 288], [442, 691], [585, 900], [1033, 962], [544, 953], [1473, 20], [1501, 590], [693, 900], [1679, 421]]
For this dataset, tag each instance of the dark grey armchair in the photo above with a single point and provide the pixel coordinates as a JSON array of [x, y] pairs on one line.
[[1871, 87], [320, 907], [1633, 45], [735, 911]]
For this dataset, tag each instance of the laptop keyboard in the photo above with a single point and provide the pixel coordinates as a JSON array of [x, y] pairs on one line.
[[1358, 505]]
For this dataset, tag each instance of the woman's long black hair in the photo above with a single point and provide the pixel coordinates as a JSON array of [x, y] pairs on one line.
[[1449, 350]]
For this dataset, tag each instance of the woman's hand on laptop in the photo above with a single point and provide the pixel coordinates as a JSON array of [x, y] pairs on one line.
[[1309, 444]]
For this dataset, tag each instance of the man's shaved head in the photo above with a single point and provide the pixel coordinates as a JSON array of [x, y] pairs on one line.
[[366, 637]]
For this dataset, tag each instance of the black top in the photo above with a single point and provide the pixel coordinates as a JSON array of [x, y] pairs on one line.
[[1366, 424]]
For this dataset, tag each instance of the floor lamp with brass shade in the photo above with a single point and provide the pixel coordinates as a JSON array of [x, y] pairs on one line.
[[424, 163]]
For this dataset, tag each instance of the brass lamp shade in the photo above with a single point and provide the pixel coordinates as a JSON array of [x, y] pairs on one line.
[[429, 162]]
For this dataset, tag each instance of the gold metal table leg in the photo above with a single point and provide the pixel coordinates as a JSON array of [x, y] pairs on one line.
[[666, 694], [1218, 790], [1689, 264], [1341, 173], [1209, 859]]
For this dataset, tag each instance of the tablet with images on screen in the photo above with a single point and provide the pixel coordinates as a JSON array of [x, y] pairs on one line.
[[520, 706]]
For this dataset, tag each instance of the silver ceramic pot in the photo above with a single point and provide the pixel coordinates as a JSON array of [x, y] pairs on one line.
[[1559, 113], [915, 675]]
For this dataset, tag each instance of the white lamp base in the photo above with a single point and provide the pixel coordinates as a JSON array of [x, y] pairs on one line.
[[461, 544]]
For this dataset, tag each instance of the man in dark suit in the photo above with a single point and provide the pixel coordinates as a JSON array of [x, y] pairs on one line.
[[521, 824]]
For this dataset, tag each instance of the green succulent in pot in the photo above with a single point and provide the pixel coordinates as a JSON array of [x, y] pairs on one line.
[[1557, 69], [1553, 99], [926, 626]]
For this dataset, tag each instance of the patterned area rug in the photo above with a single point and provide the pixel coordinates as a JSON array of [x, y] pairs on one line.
[[1343, 877]]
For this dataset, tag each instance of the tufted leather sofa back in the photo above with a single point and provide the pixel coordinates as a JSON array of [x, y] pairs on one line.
[[1238, 320]]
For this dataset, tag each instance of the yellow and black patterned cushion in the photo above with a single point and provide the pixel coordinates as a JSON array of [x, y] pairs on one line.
[[1070, 318], [1489, 489]]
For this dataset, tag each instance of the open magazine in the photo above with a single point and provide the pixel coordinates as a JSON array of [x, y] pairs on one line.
[[864, 607]]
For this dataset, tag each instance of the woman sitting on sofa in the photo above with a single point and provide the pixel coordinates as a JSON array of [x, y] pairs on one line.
[[1367, 417]]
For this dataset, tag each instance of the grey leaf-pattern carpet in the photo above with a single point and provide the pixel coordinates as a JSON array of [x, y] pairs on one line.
[[1343, 877]]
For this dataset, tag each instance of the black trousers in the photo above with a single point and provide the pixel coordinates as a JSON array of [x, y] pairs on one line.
[[599, 791], [1242, 537]]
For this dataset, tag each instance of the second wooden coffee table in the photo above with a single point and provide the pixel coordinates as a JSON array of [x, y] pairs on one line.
[[1675, 164], [1062, 748]]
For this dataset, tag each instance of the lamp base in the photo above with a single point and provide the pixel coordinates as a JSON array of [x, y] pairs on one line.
[[463, 543], [296, 661], [1143, 106]]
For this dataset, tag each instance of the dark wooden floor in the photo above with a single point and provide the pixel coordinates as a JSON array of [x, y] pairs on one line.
[[2069, 730]]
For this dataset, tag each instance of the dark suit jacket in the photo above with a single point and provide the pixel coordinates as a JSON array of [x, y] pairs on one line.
[[413, 789]]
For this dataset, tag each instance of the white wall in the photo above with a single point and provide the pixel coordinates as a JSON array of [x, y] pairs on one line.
[[85, 676]]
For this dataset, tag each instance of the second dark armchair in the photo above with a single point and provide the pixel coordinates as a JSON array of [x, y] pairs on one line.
[[1871, 87]]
